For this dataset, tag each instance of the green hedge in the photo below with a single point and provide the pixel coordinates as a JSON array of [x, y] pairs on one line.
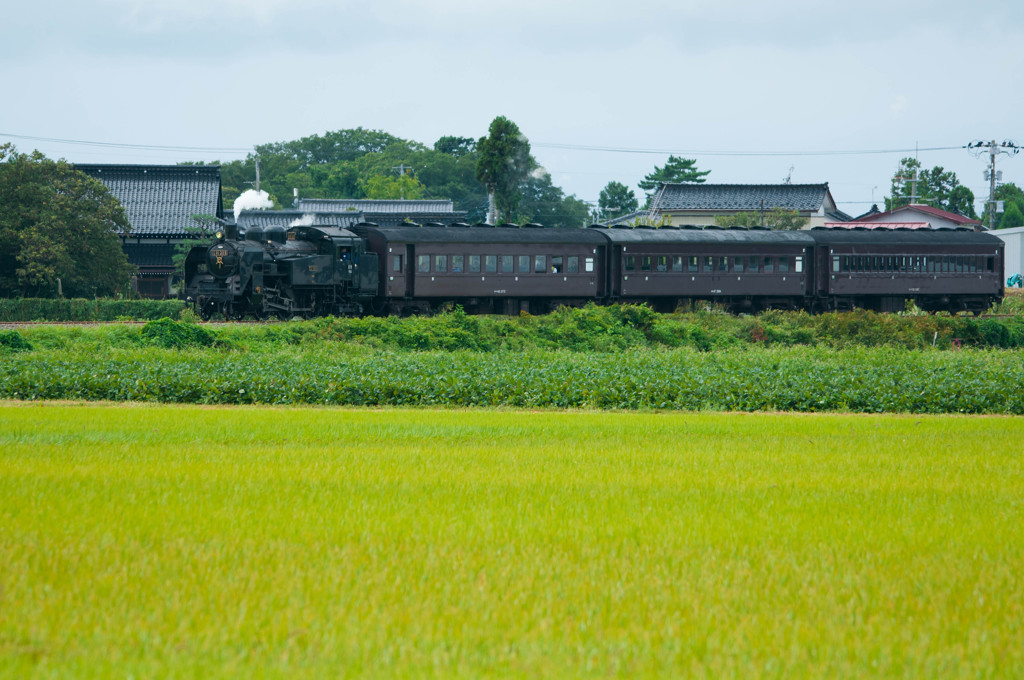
[[800, 379], [79, 309]]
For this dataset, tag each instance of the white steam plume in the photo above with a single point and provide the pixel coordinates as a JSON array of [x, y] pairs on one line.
[[252, 200], [304, 221]]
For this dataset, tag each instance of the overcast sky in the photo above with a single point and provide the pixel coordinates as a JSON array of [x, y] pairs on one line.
[[754, 90]]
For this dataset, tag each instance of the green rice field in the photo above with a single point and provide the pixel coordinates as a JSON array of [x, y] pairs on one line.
[[195, 541]]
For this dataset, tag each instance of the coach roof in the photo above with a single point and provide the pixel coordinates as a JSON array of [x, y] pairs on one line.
[[488, 234], [707, 236]]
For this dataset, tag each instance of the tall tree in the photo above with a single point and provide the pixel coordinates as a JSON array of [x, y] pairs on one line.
[[546, 204], [503, 165], [455, 146], [675, 170], [1012, 217], [936, 187], [615, 200], [58, 224]]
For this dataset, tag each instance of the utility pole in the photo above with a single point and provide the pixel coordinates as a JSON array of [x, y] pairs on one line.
[[978, 148]]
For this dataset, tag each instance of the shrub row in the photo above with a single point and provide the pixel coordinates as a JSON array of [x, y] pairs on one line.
[[803, 379], [80, 309]]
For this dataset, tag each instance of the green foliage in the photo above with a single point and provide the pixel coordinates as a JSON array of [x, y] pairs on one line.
[[616, 199], [504, 163], [403, 187], [936, 187], [79, 309], [11, 341], [676, 169], [1012, 217], [58, 230], [776, 218], [176, 334]]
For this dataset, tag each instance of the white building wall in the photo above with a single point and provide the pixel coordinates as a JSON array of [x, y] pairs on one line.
[[1013, 258]]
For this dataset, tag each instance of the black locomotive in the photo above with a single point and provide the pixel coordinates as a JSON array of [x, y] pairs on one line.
[[507, 269]]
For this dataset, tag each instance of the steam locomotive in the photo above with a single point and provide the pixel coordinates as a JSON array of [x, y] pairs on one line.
[[507, 269]]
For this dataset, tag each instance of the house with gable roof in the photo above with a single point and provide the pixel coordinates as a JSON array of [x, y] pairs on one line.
[[916, 216], [699, 204], [159, 202]]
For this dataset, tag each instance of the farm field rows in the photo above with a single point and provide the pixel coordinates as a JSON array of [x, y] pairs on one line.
[[168, 541]]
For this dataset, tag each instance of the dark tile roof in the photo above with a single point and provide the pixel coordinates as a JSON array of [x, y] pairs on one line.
[[148, 256], [159, 200], [740, 197], [285, 218]]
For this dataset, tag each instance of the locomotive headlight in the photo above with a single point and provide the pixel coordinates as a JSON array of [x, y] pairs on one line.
[[220, 235]]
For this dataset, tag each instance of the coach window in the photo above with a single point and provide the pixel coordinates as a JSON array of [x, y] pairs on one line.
[[474, 263], [662, 263], [723, 263], [769, 265], [798, 266], [524, 264], [737, 264], [645, 263], [540, 263], [677, 263], [630, 263], [423, 263], [783, 264], [588, 264], [396, 264], [990, 264], [835, 263], [440, 263], [506, 264], [573, 264], [709, 264], [556, 264], [491, 264], [457, 263], [691, 264], [752, 262]]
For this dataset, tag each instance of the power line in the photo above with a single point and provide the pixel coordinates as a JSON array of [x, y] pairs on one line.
[[663, 152], [141, 147]]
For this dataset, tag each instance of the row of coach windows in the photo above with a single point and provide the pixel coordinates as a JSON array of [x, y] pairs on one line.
[[713, 264], [966, 264], [498, 264]]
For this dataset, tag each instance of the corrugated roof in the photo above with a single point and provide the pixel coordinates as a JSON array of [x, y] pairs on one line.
[[159, 200], [740, 197], [375, 206], [286, 218]]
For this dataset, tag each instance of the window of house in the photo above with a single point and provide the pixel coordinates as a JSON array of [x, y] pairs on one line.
[[457, 263], [440, 263], [491, 264], [573, 264], [396, 264], [423, 263], [474, 263]]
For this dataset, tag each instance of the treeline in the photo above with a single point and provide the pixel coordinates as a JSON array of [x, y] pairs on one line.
[[371, 164]]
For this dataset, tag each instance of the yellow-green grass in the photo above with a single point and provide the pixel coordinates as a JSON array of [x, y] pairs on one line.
[[168, 541]]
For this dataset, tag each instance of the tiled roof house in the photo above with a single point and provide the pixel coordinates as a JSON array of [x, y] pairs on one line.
[[916, 214], [700, 204], [159, 201]]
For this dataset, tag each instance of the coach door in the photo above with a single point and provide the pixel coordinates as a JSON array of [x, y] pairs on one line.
[[614, 274]]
